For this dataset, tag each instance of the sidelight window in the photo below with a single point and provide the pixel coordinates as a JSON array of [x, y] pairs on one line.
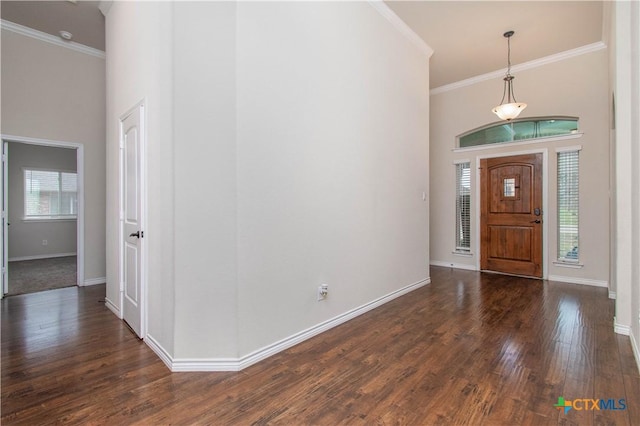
[[568, 203], [463, 208], [50, 194]]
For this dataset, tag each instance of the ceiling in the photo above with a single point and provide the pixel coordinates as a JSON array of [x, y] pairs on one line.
[[466, 36], [467, 40], [81, 18]]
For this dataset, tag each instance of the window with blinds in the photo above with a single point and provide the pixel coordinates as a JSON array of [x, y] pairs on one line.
[[463, 208], [568, 202], [50, 194]]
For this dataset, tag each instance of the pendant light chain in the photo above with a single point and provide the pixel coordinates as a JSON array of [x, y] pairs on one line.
[[508, 56]]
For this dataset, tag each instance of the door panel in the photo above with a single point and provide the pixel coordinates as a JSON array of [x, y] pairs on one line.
[[506, 237], [131, 202], [511, 221]]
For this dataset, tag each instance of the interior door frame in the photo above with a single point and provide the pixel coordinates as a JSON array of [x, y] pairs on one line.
[[545, 202], [80, 216], [141, 106]]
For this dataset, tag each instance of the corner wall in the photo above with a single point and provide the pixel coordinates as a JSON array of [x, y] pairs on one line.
[[287, 147], [625, 85], [139, 69], [333, 142]]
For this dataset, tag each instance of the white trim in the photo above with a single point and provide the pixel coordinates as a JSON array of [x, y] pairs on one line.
[[462, 161], [589, 48], [621, 328], [453, 265], [636, 350], [49, 219], [112, 307], [94, 281], [401, 26], [462, 253], [569, 148], [80, 220], [583, 281], [612, 295], [41, 256], [232, 364], [545, 200], [105, 6], [48, 38], [43, 142], [570, 265], [194, 365], [518, 143], [162, 353]]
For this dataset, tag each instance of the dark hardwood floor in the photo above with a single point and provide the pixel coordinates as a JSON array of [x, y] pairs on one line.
[[469, 348]]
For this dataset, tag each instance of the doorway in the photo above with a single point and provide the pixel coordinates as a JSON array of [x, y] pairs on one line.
[[511, 223], [42, 215]]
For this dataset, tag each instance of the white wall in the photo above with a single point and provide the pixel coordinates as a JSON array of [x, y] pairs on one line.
[[560, 88], [25, 237], [288, 146], [332, 162], [139, 46], [204, 90], [51, 92], [625, 84]]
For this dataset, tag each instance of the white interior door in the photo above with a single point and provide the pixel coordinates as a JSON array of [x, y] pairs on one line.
[[131, 139], [4, 247]]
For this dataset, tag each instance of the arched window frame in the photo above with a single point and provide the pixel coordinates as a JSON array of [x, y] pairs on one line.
[[543, 131]]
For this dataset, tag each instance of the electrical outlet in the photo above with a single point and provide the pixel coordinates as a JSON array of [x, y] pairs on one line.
[[323, 292], [45, 242]]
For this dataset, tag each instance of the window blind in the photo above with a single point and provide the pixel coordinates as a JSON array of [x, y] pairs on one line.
[[568, 206], [463, 207], [50, 194]]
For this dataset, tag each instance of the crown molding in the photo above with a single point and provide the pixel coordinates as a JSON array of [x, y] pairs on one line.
[[401, 26], [105, 6], [589, 48], [48, 38]]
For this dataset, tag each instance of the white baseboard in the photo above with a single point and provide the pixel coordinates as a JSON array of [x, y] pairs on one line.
[[237, 364], [636, 350], [453, 265], [159, 350], [612, 295], [112, 307], [621, 328], [40, 256], [94, 281], [583, 281]]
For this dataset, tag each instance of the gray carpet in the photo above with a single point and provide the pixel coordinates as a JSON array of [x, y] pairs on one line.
[[30, 276]]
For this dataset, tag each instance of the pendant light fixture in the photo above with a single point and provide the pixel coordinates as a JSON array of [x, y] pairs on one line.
[[512, 108]]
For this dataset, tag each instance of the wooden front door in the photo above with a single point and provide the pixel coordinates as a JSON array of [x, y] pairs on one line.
[[511, 215]]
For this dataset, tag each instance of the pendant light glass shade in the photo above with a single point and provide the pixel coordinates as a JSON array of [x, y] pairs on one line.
[[512, 108], [509, 111]]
